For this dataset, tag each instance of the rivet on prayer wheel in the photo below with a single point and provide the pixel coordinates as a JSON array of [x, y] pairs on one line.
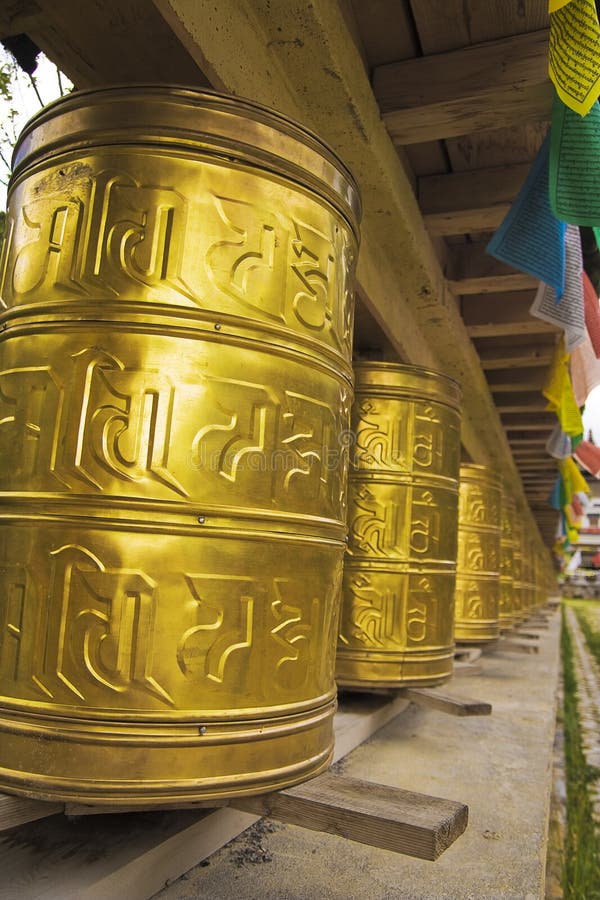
[[478, 562], [397, 609], [175, 384]]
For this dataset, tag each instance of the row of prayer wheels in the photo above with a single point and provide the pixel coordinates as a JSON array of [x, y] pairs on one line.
[[175, 388]]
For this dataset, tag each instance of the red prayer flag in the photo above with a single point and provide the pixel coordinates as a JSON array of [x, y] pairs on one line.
[[592, 313]]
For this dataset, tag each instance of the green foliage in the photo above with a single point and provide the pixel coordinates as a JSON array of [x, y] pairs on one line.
[[592, 637], [582, 849]]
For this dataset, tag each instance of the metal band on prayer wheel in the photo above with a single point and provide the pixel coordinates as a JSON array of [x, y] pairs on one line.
[[397, 610], [175, 381], [478, 562], [507, 547]]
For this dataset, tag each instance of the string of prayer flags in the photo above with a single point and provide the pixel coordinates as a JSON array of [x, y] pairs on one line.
[[596, 230], [559, 444], [588, 456], [585, 371], [558, 390], [553, 5], [530, 238], [575, 165], [574, 54], [569, 314], [592, 313]]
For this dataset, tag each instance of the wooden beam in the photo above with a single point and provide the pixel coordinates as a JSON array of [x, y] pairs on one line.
[[383, 816], [516, 357], [484, 86], [473, 271], [463, 202], [448, 703]]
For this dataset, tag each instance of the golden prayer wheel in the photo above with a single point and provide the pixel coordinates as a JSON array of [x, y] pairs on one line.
[[518, 589], [478, 560], [398, 608], [175, 384], [507, 546]]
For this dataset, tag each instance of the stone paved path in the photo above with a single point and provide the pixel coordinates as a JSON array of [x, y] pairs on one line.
[[587, 672]]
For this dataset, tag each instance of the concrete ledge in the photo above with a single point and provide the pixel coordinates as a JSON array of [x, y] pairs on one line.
[[501, 766]]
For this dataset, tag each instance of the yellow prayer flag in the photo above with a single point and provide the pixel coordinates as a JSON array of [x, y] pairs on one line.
[[558, 390], [553, 5], [573, 535], [574, 54], [573, 480]]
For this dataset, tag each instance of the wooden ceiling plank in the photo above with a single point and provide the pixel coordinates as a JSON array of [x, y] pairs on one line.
[[498, 147], [115, 41], [485, 86], [448, 24], [386, 30], [516, 380], [520, 357], [497, 329], [473, 271], [18, 16], [464, 202]]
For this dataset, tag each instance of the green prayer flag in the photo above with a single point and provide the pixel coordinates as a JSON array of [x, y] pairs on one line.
[[575, 165]]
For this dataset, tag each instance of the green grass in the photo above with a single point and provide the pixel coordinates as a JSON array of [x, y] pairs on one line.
[[582, 851], [592, 637]]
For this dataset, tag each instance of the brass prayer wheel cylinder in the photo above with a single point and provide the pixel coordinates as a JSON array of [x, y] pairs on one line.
[[399, 575], [175, 388], [507, 546], [478, 562]]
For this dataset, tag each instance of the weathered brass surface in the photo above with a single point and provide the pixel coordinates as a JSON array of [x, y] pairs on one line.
[[507, 611], [397, 610], [478, 563], [175, 385]]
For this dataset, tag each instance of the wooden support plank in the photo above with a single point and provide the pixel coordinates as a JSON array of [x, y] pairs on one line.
[[473, 271], [383, 816], [518, 632], [490, 85], [513, 646], [17, 810], [464, 202], [531, 402], [453, 706]]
